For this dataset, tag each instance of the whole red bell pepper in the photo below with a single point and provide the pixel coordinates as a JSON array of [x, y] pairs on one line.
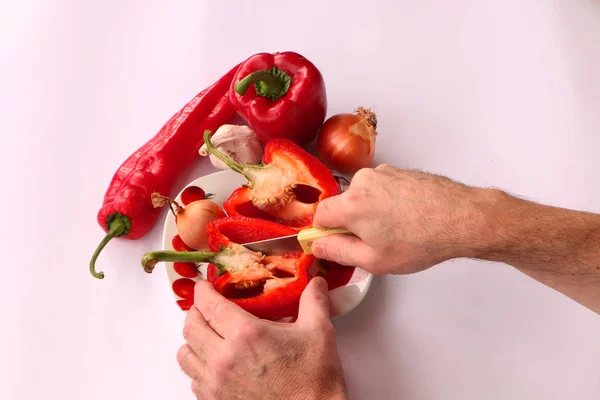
[[285, 188], [268, 286], [280, 95], [127, 209]]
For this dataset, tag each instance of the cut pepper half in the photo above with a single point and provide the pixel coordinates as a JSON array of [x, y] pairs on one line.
[[285, 188], [269, 288], [264, 285]]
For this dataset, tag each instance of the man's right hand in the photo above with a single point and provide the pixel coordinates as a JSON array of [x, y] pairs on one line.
[[407, 221], [404, 221]]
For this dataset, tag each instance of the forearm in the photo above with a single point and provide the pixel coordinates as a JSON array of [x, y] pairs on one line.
[[407, 221], [339, 396], [558, 247]]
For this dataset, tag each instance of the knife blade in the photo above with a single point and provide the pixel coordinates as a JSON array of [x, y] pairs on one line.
[[292, 243]]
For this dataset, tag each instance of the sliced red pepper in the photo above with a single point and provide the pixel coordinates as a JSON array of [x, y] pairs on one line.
[[280, 95], [185, 269], [271, 296], [241, 229], [274, 298], [185, 304], [193, 193], [285, 188], [178, 244], [184, 287], [212, 273], [268, 286]]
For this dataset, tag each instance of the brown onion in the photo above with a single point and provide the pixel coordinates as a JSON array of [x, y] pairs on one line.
[[346, 142], [192, 219]]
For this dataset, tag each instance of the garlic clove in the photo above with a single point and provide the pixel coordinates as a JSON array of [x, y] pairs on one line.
[[238, 142]]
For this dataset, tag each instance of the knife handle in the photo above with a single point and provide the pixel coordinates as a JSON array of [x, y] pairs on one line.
[[306, 237]]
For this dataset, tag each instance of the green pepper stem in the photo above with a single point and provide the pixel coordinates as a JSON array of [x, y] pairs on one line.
[[116, 227], [149, 260], [227, 160], [270, 83], [247, 170]]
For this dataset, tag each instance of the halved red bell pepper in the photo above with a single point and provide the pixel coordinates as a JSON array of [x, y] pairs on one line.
[[285, 188], [268, 286], [271, 291]]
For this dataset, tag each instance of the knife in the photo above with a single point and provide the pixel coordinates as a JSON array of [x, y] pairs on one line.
[[302, 241]]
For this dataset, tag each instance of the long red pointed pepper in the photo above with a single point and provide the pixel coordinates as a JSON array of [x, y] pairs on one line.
[[127, 210]]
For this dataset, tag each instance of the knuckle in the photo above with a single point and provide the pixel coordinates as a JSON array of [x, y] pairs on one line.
[[185, 359], [212, 309], [384, 166], [323, 207], [354, 198], [249, 332], [188, 330], [332, 251], [328, 205], [222, 364], [337, 253], [363, 175], [182, 354]]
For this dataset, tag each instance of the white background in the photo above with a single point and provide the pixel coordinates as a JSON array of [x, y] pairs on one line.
[[492, 93]]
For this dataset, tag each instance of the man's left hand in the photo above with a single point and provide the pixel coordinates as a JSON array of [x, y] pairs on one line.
[[230, 354]]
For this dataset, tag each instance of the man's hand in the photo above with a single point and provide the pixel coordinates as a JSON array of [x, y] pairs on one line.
[[407, 221], [404, 221], [231, 354]]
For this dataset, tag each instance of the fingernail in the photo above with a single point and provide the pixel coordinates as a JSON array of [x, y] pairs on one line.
[[317, 250], [321, 283]]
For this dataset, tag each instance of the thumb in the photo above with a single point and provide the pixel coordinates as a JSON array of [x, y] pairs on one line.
[[314, 302], [347, 250]]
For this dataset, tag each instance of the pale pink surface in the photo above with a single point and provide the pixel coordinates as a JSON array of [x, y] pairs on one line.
[[503, 93]]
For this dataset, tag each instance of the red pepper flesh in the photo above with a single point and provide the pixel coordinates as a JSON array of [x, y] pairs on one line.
[[185, 304], [271, 299], [285, 188], [127, 210], [335, 274], [280, 95], [178, 244], [184, 288]]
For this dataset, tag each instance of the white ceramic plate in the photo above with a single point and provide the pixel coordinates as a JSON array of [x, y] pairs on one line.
[[343, 299]]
